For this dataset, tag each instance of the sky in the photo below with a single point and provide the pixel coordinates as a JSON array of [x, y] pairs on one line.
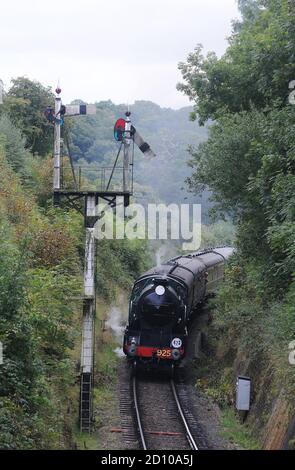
[[123, 50]]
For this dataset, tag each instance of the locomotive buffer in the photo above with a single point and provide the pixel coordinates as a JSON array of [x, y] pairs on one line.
[[124, 133]]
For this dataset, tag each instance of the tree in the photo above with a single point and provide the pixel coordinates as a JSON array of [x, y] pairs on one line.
[[25, 104], [248, 160], [250, 9], [256, 68], [14, 144]]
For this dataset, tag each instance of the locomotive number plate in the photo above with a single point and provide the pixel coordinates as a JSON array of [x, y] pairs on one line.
[[164, 352]]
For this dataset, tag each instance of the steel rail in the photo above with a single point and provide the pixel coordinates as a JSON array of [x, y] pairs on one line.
[[189, 436], [139, 424]]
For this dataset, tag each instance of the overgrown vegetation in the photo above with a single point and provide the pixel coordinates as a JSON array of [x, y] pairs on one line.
[[236, 433], [41, 263], [248, 163], [119, 263], [218, 234], [37, 308]]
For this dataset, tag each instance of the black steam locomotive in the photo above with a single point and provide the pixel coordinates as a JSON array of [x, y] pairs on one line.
[[163, 300]]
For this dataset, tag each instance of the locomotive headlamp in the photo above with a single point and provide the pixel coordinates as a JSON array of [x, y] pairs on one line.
[[132, 347], [132, 350], [175, 354], [160, 290]]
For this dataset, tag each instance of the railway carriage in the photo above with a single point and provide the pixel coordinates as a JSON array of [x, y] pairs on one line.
[[164, 299]]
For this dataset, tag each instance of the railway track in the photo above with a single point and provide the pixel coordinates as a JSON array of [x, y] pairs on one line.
[[162, 416]]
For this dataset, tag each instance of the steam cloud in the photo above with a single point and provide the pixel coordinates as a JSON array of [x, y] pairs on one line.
[[116, 321]]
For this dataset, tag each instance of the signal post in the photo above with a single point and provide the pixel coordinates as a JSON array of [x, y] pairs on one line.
[[124, 133]]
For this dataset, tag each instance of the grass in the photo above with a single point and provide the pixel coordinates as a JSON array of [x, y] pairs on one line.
[[236, 432], [106, 364], [104, 392], [85, 441], [103, 401], [103, 404]]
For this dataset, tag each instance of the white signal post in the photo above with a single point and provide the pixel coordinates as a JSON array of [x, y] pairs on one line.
[[89, 301], [89, 272], [57, 124], [90, 215], [89, 312], [127, 143]]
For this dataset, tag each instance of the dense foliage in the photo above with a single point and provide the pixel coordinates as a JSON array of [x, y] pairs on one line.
[[248, 160], [25, 104], [248, 163], [36, 318], [41, 264]]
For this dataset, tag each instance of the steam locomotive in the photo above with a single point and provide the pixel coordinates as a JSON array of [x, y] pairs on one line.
[[162, 302]]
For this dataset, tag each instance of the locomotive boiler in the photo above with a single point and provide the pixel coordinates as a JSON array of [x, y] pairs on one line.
[[162, 302]]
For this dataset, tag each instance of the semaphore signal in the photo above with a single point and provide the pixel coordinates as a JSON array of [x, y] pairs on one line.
[[125, 133], [79, 109]]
